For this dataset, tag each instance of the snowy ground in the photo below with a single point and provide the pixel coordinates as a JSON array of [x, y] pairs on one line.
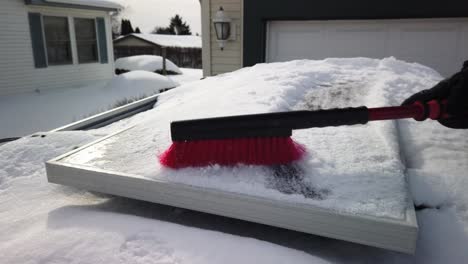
[[188, 75], [43, 223], [26, 113]]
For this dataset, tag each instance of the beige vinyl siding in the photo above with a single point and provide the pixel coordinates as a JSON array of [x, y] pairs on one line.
[[229, 59], [17, 71]]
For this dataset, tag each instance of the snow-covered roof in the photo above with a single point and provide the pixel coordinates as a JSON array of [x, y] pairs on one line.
[[111, 4], [180, 41]]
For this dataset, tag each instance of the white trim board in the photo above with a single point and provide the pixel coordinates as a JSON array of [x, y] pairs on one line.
[[392, 234]]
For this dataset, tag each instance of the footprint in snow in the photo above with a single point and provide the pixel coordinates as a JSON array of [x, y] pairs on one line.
[[146, 247]]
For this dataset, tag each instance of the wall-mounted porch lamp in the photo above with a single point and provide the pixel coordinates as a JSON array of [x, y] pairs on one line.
[[223, 27]]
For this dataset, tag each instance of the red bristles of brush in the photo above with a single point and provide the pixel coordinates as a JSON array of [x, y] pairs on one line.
[[227, 152], [264, 139]]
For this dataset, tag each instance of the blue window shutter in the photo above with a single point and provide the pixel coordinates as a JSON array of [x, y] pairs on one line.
[[37, 40], [102, 37]]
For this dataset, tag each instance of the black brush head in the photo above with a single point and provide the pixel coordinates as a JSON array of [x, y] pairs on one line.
[[278, 124], [245, 126]]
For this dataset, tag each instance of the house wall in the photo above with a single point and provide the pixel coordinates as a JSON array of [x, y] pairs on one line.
[[215, 60], [131, 46], [17, 70]]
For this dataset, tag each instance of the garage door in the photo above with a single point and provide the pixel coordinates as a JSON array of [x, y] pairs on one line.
[[438, 43]]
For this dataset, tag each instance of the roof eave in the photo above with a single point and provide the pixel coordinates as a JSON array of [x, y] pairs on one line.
[[89, 7]]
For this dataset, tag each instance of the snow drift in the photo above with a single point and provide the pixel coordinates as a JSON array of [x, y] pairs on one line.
[[55, 224]]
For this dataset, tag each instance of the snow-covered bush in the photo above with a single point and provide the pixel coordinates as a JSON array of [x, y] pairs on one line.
[[151, 63]]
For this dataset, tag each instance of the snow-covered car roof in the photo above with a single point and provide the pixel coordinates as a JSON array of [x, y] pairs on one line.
[[149, 63], [179, 41]]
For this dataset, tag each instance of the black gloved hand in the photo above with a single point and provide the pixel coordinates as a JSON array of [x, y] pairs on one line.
[[455, 91]]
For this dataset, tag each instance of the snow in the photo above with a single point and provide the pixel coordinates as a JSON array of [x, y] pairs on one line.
[[149, 63], [179, 41], [142, 82], [332, 176], [442, 237], [113, 4], [438, 162], [42, 222], [188, 75], [23, 114]]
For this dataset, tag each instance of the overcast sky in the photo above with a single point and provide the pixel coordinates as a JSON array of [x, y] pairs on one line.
[[147, 14]]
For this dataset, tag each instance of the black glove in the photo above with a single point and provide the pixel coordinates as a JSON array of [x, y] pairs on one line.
[[455, 91]]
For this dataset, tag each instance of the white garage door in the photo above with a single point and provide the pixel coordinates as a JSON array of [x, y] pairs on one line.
[[438, 43]]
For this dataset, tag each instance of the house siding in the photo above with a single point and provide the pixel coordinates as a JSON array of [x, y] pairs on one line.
[[131, 46], [215, 60], [17, 70]]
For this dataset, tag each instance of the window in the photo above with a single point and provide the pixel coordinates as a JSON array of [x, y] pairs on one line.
[[86, 43], [54, 43], [57, 40]]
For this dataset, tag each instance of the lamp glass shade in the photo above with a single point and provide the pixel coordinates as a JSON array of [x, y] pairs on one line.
[[223, 30]]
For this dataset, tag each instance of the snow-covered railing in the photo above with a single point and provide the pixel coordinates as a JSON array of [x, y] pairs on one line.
[[105, 118], [6, 140]]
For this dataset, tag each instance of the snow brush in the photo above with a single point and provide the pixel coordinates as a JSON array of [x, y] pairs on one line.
[[265, 139]]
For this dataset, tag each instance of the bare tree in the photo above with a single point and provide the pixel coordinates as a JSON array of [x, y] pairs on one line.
[[116, 23]]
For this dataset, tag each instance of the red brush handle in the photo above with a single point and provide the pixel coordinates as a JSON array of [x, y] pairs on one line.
[[419, 111]]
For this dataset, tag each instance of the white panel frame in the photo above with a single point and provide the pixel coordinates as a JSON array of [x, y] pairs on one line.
[[392, 234], [109, 114]]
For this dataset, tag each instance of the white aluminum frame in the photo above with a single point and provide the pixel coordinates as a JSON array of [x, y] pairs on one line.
[[112, 114], [392, 234]]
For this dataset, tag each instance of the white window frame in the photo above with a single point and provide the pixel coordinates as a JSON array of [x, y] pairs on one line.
[[45, 40], [98, 54], [73, 42]]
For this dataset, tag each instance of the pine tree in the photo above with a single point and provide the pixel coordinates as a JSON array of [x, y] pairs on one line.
[[137, 30], [179, 27], [163, 31], [123, 27], [130, 27], [126, 27], [176, 27]]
